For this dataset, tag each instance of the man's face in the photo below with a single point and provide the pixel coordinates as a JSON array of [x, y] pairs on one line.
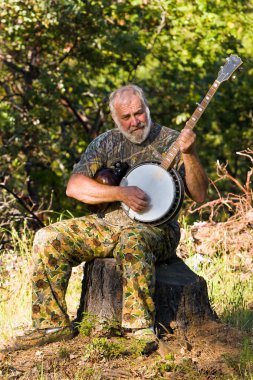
[[132, 117]]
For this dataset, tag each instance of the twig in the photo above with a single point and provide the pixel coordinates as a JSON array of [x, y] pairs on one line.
[[22, 203]]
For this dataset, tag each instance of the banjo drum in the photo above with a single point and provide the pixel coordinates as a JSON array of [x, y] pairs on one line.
[[162, 184], [165, 191]]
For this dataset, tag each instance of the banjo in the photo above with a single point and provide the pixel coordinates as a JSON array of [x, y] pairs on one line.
[[163, 184]]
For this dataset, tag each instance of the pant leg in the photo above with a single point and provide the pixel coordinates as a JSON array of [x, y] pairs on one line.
[[57, 248], [169, 234], [138, 249]]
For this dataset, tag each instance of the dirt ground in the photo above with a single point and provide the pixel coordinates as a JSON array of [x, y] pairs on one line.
[[204, 352]]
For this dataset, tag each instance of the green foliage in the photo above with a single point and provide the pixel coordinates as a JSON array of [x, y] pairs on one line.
[[88, 374], [230, 289], [107, 349], [243, 365], [88, 324], [61, 59], [63, 353], [168, 364], [100, 348], [111, 328], [236, 311]]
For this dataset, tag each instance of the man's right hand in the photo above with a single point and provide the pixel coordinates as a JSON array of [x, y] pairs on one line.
[[89, 191], [134, 197]]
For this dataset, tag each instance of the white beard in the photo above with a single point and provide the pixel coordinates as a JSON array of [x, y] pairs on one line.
[[145, 128]]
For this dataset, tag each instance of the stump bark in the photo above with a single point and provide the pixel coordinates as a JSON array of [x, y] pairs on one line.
[[180, 296]]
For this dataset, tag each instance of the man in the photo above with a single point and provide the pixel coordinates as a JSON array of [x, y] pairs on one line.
[[60, 246]]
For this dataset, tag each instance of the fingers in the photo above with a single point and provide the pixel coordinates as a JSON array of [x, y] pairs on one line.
[[138, 205], [134, 198], [187, 140]]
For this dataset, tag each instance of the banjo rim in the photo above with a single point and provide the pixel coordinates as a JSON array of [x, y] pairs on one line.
[[176, 203]]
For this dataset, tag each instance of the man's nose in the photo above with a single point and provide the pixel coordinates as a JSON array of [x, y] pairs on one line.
[[134, 120]]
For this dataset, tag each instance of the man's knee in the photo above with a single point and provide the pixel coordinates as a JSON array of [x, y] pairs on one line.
[[134, 245], [45, 235], [133, 237], [44, 238]]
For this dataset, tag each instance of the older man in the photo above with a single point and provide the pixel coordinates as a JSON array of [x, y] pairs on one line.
[[136, 246]]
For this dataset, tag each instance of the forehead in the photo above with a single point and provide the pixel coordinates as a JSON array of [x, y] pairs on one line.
[[126, 102]]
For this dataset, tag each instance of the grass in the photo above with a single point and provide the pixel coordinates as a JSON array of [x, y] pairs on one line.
[[243, 366], [16, 267], [15, 271], [230, 290]]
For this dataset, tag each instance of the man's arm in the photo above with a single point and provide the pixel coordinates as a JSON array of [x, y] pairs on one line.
[[89, 191], [196, 179]]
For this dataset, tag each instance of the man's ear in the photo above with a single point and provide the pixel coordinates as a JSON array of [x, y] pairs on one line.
[[114, 118]]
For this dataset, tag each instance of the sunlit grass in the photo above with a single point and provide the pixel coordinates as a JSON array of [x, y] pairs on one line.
[[230, 290], [229, 282], [230, 293], [15, 290], [16, 268]]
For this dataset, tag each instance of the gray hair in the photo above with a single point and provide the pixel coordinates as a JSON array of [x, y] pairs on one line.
[[120, 91]]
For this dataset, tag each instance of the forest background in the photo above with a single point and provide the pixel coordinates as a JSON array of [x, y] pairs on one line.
[[59, 61]]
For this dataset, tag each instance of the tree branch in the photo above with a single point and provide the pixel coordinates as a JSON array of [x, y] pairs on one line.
[[22, 203], [81, 118]]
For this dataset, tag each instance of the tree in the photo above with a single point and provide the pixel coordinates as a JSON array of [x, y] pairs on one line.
[[61, 58]]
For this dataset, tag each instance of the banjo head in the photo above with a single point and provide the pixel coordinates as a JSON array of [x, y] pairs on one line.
[[159, 186]]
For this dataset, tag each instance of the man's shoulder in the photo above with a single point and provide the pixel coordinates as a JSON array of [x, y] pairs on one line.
[[168, 131], [164, 133], [111, 135]]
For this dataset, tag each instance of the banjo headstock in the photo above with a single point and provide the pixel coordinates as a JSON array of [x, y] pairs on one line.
[[233, 62]]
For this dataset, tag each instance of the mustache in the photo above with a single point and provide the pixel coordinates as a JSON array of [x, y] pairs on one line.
[[136, 127]]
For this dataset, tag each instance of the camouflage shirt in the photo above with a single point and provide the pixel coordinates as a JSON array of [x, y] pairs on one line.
[[113, 146]]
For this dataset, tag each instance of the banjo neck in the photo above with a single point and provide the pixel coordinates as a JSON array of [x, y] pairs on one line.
[[169, 158]]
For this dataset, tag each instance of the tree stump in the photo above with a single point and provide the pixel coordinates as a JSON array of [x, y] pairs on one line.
[[181, 296], [101, 290]]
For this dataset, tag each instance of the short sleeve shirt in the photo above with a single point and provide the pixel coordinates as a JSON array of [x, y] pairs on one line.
[[113, 146]]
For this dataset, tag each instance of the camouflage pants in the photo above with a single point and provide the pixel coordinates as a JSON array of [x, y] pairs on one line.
[[63, 245]]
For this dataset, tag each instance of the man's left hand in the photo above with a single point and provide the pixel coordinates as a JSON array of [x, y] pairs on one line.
[[187, 141]]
